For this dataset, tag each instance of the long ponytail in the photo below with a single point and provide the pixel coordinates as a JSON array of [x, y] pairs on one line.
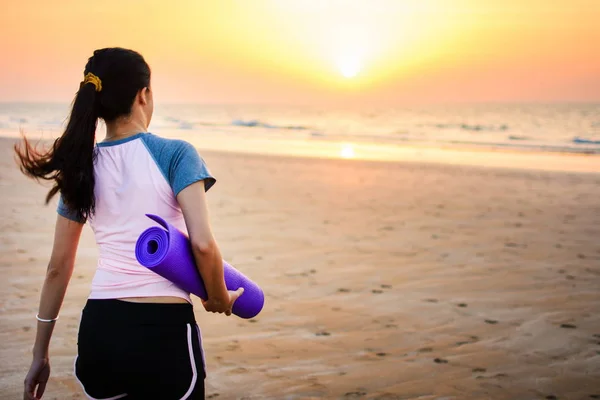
[[69, 162]]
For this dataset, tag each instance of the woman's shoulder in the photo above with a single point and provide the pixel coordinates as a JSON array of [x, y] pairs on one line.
[[168, 150], [178, 160], [163, 143]]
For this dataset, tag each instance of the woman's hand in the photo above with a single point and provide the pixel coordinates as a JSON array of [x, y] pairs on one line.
[[220, 307], [38, 375]]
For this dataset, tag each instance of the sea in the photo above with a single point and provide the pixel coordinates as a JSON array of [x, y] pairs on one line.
[[564, 128]]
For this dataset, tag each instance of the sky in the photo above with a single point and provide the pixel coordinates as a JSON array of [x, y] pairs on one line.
[[330, 52]]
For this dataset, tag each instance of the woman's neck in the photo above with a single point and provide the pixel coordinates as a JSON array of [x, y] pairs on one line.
[[116, 131]]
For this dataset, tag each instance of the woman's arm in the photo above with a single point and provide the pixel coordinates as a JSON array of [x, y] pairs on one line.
[[207, 255], [58, 274]]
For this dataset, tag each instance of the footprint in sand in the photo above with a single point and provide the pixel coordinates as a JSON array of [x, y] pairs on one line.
[[431, 300], [551, 397], [425, 350], [323, 333], [343, 290], [382, 354], [463, 305], [478, 370], [568, 326], [233, 347], [440, 361], [212, 396], [354, 395], [386, 286], [491, 321], [377, 291]]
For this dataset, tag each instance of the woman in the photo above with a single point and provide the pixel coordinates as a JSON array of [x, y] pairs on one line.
[[138, 338]]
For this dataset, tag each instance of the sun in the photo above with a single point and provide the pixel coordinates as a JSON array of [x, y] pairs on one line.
[[347, 151], [349, 68]]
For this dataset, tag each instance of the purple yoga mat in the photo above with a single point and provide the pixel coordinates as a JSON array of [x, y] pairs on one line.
[[168, 253]]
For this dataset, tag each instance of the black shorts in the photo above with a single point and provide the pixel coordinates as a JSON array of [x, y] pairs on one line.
[[139, 351]]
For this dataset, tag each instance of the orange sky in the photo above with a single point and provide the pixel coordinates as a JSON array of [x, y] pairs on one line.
[[296, 51]]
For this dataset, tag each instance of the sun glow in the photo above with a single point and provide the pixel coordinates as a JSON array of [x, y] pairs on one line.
[[349, 67], [325, 52], [347, 151]]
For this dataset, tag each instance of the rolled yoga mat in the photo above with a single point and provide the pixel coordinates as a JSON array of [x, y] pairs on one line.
[[168, 253]]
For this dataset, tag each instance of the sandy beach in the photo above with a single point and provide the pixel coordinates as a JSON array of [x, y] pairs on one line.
[[383, 281]]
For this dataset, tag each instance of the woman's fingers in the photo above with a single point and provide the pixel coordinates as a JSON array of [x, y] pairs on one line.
[[233, 296]]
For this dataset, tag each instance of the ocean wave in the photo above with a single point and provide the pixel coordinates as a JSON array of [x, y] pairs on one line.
[[252, 123], [554, 148], [186, 126], [474, 128], [19, 120], [579, 140], [179, 123], [183, 124]]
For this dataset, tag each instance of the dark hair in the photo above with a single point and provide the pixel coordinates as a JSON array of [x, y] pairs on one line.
[[69, 162]]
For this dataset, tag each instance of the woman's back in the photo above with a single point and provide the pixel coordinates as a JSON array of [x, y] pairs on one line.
[[138, 175]]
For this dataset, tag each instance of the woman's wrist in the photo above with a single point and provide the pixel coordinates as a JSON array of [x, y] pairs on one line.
[[40, 355]]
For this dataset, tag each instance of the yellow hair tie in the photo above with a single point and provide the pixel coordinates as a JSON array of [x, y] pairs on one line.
[[94, 80]]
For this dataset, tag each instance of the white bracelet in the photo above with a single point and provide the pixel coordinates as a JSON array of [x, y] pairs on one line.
[[37, 316]]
